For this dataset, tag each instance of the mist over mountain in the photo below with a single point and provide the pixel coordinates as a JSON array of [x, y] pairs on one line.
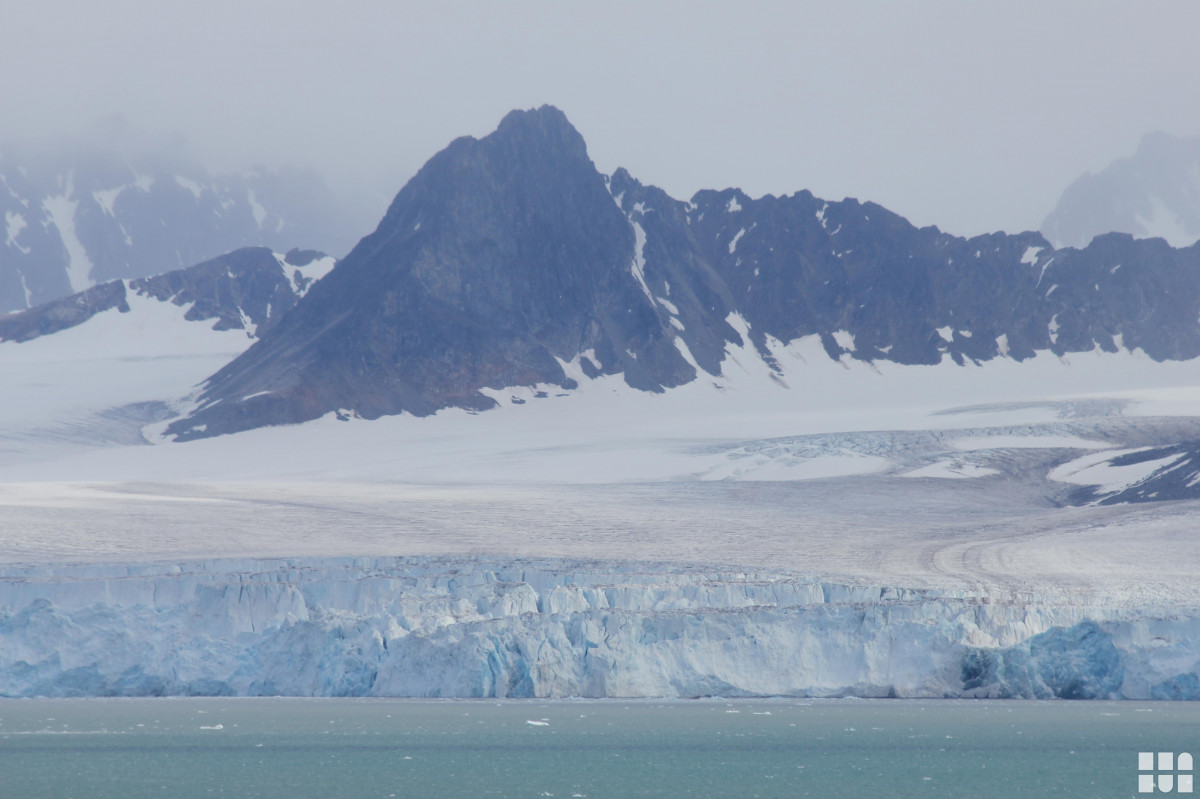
[[78, 214], [511, 261], [1153, 193]]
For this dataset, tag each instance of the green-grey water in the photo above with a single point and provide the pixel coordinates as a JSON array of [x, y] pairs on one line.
[[298, 748]]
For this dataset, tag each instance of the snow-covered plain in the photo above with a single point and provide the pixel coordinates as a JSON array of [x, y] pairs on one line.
[[831, 474]]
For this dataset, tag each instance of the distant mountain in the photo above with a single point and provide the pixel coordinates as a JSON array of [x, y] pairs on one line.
[[81, 216], [1154, 193], [248, 289]]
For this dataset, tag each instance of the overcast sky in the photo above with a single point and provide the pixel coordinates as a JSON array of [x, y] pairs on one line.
[[969, 115]]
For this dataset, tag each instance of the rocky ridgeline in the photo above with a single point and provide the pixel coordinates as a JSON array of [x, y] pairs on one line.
[[248, 289], [506, 256]]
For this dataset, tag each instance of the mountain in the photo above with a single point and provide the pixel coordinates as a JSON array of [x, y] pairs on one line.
[[1154, 193], [510, 261], [94, 368], [498, 258], [249, 289], [81, 216]]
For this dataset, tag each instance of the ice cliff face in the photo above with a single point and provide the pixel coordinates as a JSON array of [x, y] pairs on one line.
[[478, 628]]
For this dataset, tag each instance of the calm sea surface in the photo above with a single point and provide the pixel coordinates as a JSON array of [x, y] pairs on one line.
[[297, 748]]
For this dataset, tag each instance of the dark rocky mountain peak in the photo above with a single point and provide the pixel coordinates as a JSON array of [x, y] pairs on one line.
[[510, 261], [501, 258]]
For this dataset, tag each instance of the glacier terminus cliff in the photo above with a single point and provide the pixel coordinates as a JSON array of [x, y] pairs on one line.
[[471, 627]]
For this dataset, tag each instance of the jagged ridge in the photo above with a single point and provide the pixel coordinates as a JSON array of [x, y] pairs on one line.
[[248, 289], [507, 255]]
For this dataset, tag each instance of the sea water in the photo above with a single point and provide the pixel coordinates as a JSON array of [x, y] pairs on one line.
[[297, 748]]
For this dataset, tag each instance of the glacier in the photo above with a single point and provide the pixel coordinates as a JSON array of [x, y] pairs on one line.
[[473, 626]]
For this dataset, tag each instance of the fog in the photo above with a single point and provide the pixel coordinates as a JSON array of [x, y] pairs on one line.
[[971, 117]]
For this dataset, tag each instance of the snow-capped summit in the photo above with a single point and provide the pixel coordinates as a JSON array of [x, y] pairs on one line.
[[1155, 193]]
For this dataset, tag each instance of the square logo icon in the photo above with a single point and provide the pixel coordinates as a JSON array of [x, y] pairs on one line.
[[1165, 772]]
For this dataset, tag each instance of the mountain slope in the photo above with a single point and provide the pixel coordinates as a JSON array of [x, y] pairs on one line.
[[500, 258], [249, 289], [97, 366], [1153, 193], [508, 259]]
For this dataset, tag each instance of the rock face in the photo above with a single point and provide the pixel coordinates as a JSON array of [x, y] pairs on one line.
[[1159, 473], [470, 628], [82, 217], [248, 289], [507, 257], [1154, 193], [500, 257]]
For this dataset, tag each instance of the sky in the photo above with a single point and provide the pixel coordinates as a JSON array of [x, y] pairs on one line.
[[969, 115]]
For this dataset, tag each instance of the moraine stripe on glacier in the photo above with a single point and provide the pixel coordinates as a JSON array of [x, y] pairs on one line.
[[473, 627]]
